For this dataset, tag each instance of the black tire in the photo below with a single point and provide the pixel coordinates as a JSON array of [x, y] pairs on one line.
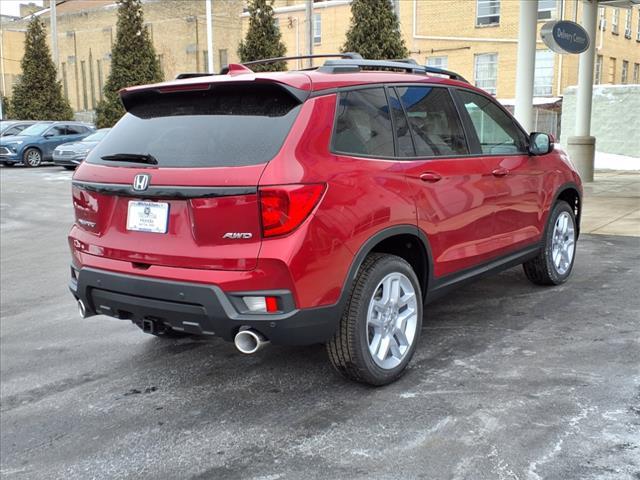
[[32, 157], [349, 348], [68, 167], [542, 270]]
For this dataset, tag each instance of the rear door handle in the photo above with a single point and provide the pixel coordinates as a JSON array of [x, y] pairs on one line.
[[500, 172], [430, 177]]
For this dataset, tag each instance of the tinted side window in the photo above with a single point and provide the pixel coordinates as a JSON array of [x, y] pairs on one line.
[[434, 121], [405, 142], [12, 131], [57, 131], [75, 130], [497, 133], [363, 124]]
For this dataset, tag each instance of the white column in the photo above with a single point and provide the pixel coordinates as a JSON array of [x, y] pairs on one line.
[[585, 72], [209, 38], [54, 32], [526, 63], [309, 19], [582, 146]]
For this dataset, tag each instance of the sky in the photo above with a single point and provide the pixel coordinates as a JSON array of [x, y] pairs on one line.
[[12, 7]]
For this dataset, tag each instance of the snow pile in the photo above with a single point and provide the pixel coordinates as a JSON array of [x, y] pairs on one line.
[[611, 161]]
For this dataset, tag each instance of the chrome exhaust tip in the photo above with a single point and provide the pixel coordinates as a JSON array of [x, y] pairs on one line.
[[82, 309], [249, 341]]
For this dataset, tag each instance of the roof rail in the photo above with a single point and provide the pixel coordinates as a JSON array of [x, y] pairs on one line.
[[448, 73], [349, 55], [407, 65]]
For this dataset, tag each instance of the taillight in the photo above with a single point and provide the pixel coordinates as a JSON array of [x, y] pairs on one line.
[[285, 207]]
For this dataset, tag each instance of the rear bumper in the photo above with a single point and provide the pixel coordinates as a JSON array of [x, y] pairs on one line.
[[197, 308]]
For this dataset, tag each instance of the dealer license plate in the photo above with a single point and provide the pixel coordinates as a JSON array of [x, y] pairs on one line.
[[148, 217]]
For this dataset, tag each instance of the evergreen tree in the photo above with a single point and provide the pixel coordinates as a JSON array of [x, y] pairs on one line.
[[38, 94], [6, 108], [133, 61], [374, 32], [263, 38]]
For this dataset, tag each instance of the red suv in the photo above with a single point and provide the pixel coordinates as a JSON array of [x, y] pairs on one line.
[[317, 206]]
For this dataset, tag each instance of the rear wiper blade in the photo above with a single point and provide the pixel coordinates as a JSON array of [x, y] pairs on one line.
[[131, 157]]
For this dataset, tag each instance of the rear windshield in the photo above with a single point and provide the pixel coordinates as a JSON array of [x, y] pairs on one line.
[[225, 126]]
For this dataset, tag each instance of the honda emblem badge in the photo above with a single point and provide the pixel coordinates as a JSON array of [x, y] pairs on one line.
[[141, 182]]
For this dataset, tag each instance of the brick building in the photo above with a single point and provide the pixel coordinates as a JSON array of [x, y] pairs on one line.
[[478, 39], [87, 29]]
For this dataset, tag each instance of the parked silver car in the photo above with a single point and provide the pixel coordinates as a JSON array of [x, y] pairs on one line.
[[70, 155]]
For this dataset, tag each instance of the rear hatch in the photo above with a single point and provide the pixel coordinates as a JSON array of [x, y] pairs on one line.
[[175, 183]]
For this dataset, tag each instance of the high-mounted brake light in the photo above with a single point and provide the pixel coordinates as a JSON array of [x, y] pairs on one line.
[[284, 207], [185, 88]]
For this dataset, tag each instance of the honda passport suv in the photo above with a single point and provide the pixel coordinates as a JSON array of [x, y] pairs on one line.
[[321, 206]]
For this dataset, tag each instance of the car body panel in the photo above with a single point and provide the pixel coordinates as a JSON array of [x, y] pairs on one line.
[[467, 219]]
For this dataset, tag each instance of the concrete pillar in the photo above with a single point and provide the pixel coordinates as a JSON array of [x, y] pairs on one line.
[[209, 15], [526, 63], [582, 146]]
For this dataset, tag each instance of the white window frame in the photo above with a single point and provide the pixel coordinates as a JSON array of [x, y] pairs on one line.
[[547, 12], [615, 20], [597, 78], [441, 61], [638, 32], [488, 84], [487, 9], [627, 24], [602, 18], [543, 77], [317, 28], [624, 75]]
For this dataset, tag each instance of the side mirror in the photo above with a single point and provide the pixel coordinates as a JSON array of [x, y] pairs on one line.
[[540, 143]]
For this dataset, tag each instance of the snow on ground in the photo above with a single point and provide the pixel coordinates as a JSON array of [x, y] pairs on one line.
[[611, 161]]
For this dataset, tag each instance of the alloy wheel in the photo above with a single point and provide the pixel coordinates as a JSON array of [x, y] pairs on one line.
[[392, 320], [563, 243]]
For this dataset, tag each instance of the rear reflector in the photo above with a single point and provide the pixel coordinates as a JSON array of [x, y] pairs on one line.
[[261, 304], [283, 208]]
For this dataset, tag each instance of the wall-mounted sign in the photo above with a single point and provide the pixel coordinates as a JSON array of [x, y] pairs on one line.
[[564, 37]]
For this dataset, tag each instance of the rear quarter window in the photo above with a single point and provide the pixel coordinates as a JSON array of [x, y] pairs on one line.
[[363, 124], [224, 126]]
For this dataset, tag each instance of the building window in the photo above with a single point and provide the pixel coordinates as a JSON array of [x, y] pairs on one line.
[[602, 22], [317, 28], [100, 79], [638, 32], [65, 83], [625, 72], [598, 75], [636, 73], [627, 24], [486, 71], [543, 80], [546, 9], [487, 12], [224, 59], [85, 101], [438, 62], [612, 70], [615, 19]]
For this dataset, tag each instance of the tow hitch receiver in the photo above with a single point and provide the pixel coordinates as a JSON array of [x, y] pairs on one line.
[[149, 326]]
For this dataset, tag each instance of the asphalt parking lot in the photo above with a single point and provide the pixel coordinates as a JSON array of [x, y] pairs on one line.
[[510, 381]]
